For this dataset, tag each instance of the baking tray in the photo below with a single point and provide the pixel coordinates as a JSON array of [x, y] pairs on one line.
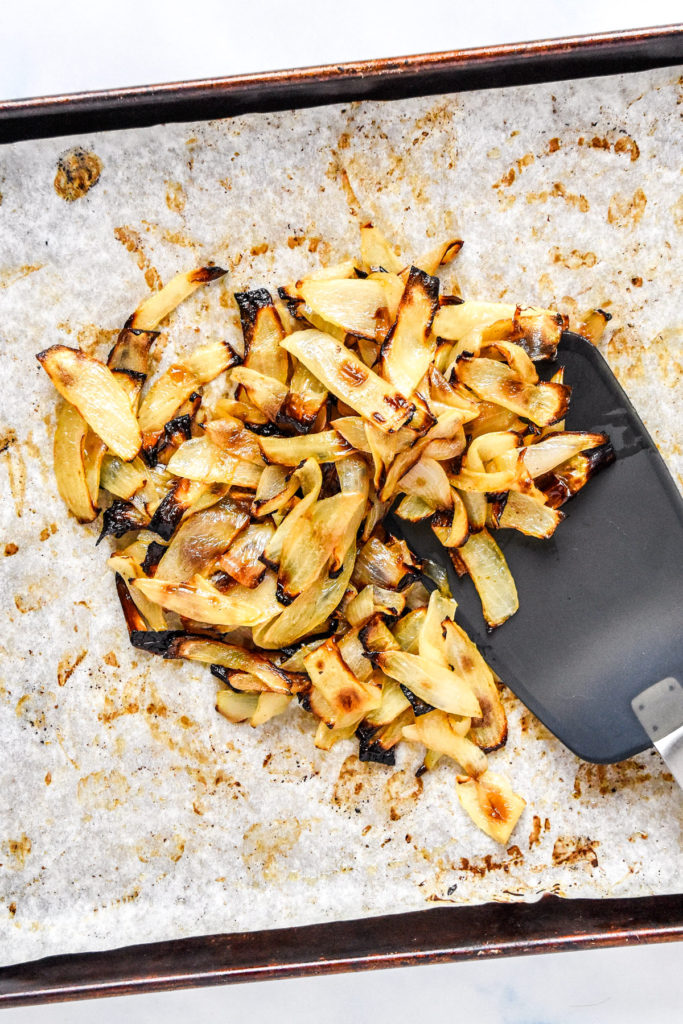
[[445, 933]]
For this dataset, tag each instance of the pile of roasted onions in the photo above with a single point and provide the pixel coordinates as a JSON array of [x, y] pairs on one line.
[[261, 545]]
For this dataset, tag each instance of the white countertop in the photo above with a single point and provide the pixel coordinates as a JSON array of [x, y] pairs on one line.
[[47, 48]]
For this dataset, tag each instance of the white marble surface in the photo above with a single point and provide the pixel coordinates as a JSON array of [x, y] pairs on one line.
[[49, 48]]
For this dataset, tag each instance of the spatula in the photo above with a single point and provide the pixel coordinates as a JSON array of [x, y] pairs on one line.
[[601, 603]]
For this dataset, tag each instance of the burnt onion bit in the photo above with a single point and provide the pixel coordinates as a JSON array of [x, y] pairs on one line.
[[175, 432], [420, 707], [370, 750], [155, 641], [168, 514], [155, 552], [120, 518], [131, 613]]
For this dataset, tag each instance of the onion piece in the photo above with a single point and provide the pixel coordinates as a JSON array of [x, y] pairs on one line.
[[94, 390], [431, 682], [434, 730], [201, 539], [491, 803], [69, 463], [523, 513], [309, 610], [491, 576], [263, 331], [427, 480], [347, 377], [376, 252], [169, 392], [229, 656], [123, 479], [326, 446], [201, 460], [439, 256], [266, 393], [346, 306], [409, 347], [555, 449], [201, 601], [242, 559], [269, 705], [349, 699], [157, 307], [543, 403]]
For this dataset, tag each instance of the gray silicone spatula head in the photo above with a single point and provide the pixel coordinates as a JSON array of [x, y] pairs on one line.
[[600, 603]]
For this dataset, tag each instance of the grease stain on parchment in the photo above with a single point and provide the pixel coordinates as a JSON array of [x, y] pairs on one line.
[[15, 851], [131, 240], [77, 171]]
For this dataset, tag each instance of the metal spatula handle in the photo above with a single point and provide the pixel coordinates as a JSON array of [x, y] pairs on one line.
[[659, 710]]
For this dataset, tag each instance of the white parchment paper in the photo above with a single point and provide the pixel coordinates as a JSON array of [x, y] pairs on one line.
[[130, 811]]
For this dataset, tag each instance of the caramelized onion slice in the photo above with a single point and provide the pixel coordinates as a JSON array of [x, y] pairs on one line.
[[201, 601], [554, 449], [491, 803], [176, 385], [69, 463], [157, 307], [94, 390], [348, 698], [309, 610], [429, 681], [524, 513], [346, 306], [347, 377], [201, 539], [435, 731], [325, 446], [491, 576], [234, 658], [263, 331], [409, 347], [496, 382], [375, 251]]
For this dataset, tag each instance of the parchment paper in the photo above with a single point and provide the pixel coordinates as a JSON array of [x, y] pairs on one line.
[[129, 810]]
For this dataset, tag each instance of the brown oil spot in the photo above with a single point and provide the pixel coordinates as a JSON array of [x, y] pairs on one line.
[[77, 172], [314, 244], [259, 250], [626, 211], [559, 191], [16, 850], [68, 665], [353, 784], [16, 469], [45, 533], [179, 238], [344, 141], [637, 282], [677, 213], [628, 146], [132, 241], [176, 196], [264, 846], [535, 834], [11, 549], [111, 659], [480, 867], [106, 790], [506, 180], [637, 835], [401, 792], [12, 909], [48, 778], [573, 260], [575, 850], [12, 275], [595, 780], [294, 241], [159, 845], [554, 145]]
